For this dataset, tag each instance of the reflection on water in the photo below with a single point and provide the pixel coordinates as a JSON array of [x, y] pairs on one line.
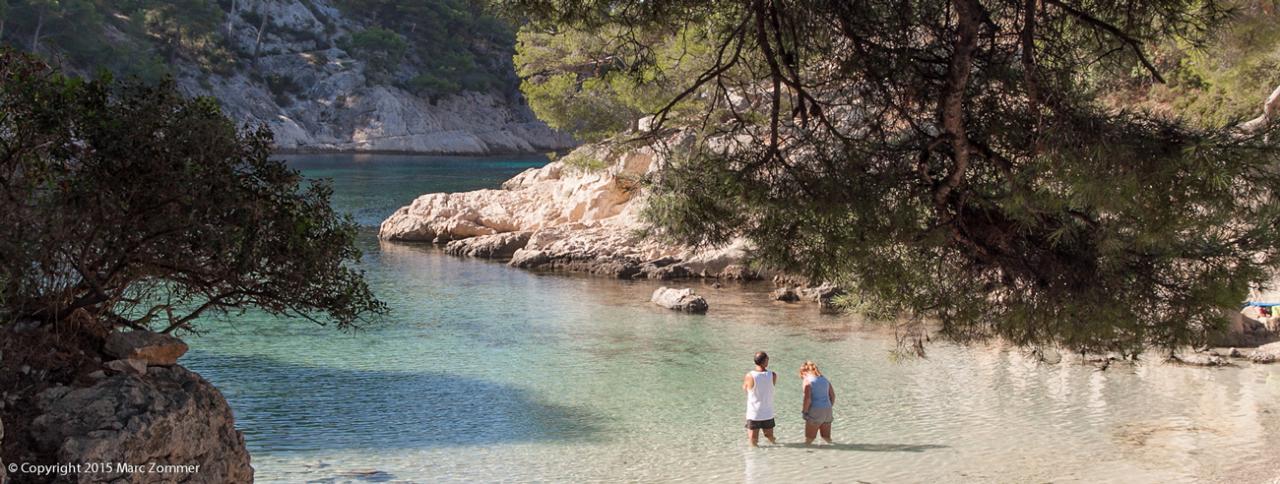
[[485, 373]]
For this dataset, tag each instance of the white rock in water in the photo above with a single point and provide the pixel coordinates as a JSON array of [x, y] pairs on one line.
[[1268, 353], [680, 300]]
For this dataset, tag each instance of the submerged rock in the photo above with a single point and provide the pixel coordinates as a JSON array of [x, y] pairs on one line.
[[1200, 359], [146, 346], [679, 300], [169, 417]]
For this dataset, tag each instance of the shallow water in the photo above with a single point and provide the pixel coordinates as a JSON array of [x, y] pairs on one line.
[[485, 373]]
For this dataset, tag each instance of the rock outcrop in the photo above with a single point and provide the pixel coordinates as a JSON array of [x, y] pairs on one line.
[[1199, 359], [171, 418], [1243, 330], [1268, 353], [145, 346], [785, 294], [492, 246], [683, 300], [566, 217]]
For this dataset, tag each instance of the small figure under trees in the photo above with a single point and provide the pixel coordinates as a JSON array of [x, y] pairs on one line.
[[146, 209], [954, 160]]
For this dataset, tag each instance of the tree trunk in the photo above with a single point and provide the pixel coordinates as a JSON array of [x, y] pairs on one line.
[[969, 18], [35, 38], [1270, 109], [231, 15], [261, 27]]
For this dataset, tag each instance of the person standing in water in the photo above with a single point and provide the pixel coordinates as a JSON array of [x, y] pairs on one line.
[[759, 383], [819, 397]]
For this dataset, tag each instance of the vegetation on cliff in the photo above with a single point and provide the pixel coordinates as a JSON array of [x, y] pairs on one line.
[[453, 44], [960, 161]]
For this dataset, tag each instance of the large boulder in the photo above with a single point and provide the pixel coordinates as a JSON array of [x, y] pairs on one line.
[[1242, 330], [146, 346], [823, 294], [679, 300], [1268, 353], [494, 246], [170, 417], [785, 294]]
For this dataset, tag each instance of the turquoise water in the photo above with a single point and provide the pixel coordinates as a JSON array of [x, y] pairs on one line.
[[484, 373]]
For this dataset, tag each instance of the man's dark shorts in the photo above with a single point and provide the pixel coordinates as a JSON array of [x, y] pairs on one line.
[[760, 424]]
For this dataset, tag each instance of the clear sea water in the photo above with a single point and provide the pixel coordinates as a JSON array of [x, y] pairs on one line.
[[485, 373]]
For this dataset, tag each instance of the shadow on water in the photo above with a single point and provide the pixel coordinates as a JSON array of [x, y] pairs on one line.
[[866, 447], [286, 407]]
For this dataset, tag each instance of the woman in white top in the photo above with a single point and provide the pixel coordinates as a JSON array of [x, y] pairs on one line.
[[759, 383]]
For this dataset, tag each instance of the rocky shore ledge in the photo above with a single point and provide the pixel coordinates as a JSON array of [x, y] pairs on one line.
[[118, 398], [564, 216]]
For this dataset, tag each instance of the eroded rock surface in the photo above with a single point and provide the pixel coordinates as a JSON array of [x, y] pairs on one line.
[[146, 346], [564, 217], [683, 300], [1268, 353], [170, 416], [317, 96]]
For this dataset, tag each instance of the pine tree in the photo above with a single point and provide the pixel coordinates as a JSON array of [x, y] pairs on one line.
[[952, 161]]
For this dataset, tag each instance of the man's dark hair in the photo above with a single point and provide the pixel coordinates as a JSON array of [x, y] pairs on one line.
[[762, 358]]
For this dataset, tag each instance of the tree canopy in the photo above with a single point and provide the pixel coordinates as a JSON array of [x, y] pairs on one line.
[[459, 46], [955, 161], [148, 209]]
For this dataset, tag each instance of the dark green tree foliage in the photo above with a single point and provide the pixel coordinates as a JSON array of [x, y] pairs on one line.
[[458, 45], [950, 161], [145, 208], [76, 31], [382, 49]]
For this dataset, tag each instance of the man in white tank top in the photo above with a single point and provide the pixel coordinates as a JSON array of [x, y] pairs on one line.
[[759, 384]]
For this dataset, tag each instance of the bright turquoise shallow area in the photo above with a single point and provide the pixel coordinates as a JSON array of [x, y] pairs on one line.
[[486, 373]]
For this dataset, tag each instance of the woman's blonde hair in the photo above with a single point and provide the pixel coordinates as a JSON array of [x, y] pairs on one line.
[[809, 367]]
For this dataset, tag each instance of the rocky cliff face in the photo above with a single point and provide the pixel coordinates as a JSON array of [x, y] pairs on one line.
[[562, 216], [316, 96]]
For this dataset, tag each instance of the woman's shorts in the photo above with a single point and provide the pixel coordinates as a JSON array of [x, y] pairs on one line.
[[818, 415], [760, 424]]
